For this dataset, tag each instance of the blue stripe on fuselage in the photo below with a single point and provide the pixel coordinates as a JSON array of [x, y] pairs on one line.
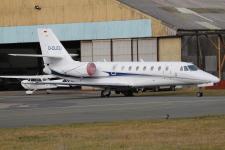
[[114, 74], [122, 74]]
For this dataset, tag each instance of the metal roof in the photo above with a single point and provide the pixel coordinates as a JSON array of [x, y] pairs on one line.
[[184, 14]]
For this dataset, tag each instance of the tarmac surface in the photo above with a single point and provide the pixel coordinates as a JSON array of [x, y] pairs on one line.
[[19, 110]]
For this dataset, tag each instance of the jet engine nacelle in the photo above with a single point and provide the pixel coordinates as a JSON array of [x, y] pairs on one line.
[[85, 70], [91, 69]]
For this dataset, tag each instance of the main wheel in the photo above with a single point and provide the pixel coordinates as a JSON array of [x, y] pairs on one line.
[[172, 88], [156, 89], [128, 93], [117, 92], [105, 93]]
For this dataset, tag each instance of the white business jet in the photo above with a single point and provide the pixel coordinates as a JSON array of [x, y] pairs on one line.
[[121, 77], [29, 82]]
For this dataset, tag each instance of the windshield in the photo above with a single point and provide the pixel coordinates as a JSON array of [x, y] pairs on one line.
[[192, 68]]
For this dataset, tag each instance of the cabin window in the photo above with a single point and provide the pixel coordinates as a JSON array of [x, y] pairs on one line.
[[167, 68], [144, 69], [185, 68], [137, 68], [181, 68], [159, 68], [152, 68], [122, 68], [192, 68], [130, 68]]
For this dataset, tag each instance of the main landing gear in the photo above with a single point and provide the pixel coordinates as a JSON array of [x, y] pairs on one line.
[[128, 93], [106, 93], [199, 93]]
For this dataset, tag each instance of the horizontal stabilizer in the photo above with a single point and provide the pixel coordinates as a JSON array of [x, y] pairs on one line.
[[33, 55], [41, 56], [69, 83]]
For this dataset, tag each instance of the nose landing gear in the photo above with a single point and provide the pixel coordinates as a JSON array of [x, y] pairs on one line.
[[199, 93]]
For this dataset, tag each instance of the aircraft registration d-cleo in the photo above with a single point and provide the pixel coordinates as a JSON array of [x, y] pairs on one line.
[[29, 82], [121, 77]]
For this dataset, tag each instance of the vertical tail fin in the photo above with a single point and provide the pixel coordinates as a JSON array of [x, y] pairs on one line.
[[51, 46]]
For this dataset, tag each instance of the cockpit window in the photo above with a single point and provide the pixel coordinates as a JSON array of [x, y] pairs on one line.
[[185, 68], [192, 68]]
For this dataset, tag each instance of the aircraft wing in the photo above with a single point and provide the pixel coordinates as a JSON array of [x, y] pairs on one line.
[[69, 83], [29, 77]]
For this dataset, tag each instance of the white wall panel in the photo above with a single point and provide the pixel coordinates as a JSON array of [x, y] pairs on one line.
[[122, 50]]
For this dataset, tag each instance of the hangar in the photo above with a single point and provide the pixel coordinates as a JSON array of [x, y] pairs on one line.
[[115, 30]]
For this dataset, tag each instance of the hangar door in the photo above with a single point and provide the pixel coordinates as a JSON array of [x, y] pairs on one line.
[[170, 49], [122, 50], [119, 50], [98, 50], [86, 51], [101, 50], [147, 49]]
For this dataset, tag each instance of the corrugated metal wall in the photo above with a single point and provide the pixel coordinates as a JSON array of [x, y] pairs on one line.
[[170, 49], [23, 13]]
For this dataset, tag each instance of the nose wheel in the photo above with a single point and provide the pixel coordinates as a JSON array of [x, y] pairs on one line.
[[106, 93], [199, 93]]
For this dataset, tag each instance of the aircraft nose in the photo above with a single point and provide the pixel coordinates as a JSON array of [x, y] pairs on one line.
[[215, 79]]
